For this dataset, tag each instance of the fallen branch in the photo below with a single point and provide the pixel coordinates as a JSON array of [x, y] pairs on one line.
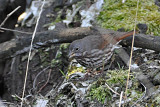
[[144, 41], [8, 49]]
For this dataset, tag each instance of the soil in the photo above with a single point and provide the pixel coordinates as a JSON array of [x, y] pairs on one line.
[[49, 65]]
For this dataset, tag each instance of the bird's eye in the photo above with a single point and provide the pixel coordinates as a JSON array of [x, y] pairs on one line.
[[77, 49]]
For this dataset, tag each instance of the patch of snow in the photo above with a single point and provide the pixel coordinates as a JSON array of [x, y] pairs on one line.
[[51, 27], [157, 67], [149, 51], [134, 66], [145, 59], [1, 104], [41, 103], [89, 15], [71, 14], [82, 90], [135, 48]]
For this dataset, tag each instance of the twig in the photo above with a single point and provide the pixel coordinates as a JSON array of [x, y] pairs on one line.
[[34, 82], [130, 60], [120, 100], [112, 89], [49, 74], [24, 87], [5, 102], [16, 30], [141, 97], [9, 16], [13, 30]]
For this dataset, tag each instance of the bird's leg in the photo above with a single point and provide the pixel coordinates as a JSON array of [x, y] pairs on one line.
[[88, 74], [89, 71], [112, 59], [92, 72], [100, 70], [97, 71]]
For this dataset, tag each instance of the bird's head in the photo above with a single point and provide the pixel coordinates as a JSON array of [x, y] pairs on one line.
[[76, 49]]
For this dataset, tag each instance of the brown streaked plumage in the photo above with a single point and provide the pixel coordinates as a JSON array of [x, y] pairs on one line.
[[95, 50]]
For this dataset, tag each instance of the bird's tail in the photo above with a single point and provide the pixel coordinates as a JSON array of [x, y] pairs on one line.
[[125, 35]]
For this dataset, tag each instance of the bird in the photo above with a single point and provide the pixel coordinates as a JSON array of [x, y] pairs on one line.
[[94, 51]]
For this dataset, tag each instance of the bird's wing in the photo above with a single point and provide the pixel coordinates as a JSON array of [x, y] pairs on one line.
[[113, 38]]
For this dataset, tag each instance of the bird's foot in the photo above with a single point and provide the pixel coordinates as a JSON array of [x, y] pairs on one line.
[[97, 72]]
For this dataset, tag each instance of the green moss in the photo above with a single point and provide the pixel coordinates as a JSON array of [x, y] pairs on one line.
[[58, 19], [44, 56], [156, 100], [99, 92], [116, 78], [57, 9], [58, 58], [64, 46], [59, 54], [116, 15], [56, 62]]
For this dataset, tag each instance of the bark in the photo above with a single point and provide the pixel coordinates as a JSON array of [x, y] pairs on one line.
[[8, 49], [144, 41], [11, 48]]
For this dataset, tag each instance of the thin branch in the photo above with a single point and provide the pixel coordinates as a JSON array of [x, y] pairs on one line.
[[34, 82], [49, 74], [111, 89], [2, 28], [120, 100], [130, 61], [24, 87], [16, 30], [9, 16]]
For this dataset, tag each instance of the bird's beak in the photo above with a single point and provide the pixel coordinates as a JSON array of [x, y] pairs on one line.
[[71, 55]]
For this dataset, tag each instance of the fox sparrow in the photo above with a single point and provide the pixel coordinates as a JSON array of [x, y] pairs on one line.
[[94, 51]]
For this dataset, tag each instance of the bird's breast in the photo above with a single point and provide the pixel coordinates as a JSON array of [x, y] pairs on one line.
[[96, 58]]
